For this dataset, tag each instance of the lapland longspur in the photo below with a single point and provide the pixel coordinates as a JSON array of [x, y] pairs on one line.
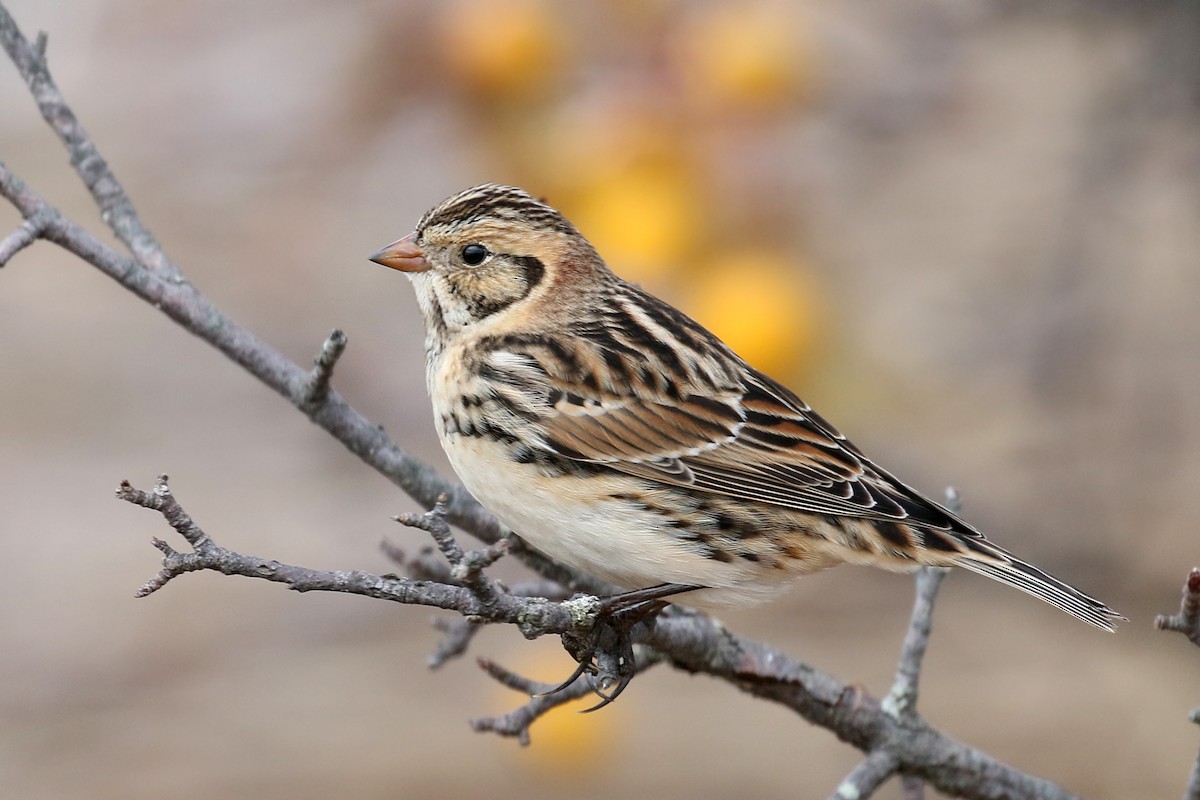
[[617, 435]]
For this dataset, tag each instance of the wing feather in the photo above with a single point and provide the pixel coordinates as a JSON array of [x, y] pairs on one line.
[[689, 412]]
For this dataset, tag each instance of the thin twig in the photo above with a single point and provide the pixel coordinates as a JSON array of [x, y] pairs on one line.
[[534, 616], [1193, 787], [900, 703], [434, 523], [516, 723], [115, 207], [871, 773], [457, 637], [28, 232], [317, 386], [1187, 620], [466, 567], [902, 698], [161, 500], [518, 683]]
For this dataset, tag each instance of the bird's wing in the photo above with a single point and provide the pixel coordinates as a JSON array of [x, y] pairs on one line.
[[699, 417], [761, 444]]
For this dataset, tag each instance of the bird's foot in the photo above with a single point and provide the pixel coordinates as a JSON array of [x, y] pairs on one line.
[[605, 651]]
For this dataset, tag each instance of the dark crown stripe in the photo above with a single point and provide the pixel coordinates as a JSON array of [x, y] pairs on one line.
[[500, 202]]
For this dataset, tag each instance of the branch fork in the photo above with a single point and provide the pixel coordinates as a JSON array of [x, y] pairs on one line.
[[466, 566], [28, 232]]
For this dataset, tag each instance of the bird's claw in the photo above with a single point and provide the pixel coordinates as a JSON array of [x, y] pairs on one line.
[[605, 654]]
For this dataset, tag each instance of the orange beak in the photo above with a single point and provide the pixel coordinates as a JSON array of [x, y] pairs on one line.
[[403, 255]]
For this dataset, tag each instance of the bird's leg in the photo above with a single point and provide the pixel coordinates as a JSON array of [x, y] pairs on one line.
[[616, 604], [605, 653]]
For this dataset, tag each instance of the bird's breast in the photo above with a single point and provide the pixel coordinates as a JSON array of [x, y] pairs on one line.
[[629, 531]]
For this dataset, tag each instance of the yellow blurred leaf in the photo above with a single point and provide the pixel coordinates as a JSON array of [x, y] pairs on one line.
[[761, 304], [744, 56], [643, 220], [503, 47]]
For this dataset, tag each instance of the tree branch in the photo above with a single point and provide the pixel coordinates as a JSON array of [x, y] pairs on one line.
[[115, 207], [696, 643], [466, 568], [688, 639], [534, 616]]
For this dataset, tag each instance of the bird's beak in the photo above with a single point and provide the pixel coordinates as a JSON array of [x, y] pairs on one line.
[[403, 255]]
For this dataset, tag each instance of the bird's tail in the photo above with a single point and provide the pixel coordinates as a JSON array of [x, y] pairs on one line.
[[1009, 569]]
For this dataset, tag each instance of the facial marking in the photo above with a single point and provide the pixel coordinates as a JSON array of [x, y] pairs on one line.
[[483, 291]]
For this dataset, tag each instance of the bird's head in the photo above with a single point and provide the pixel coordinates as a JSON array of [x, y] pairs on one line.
[[489, 251]]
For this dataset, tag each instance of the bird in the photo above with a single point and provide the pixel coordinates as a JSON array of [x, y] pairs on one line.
[[618, 436]]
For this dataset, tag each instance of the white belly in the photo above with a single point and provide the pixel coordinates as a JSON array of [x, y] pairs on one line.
[[573, 520]]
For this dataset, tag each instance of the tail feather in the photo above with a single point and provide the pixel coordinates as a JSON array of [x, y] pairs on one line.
[[1030, 579]]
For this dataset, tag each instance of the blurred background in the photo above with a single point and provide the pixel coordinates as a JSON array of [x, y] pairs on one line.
[[966, 233]]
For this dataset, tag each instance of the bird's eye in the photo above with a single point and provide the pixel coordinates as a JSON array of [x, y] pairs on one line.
[[474, 254]]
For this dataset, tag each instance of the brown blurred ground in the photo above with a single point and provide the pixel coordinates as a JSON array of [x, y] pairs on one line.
[[996, 205]]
